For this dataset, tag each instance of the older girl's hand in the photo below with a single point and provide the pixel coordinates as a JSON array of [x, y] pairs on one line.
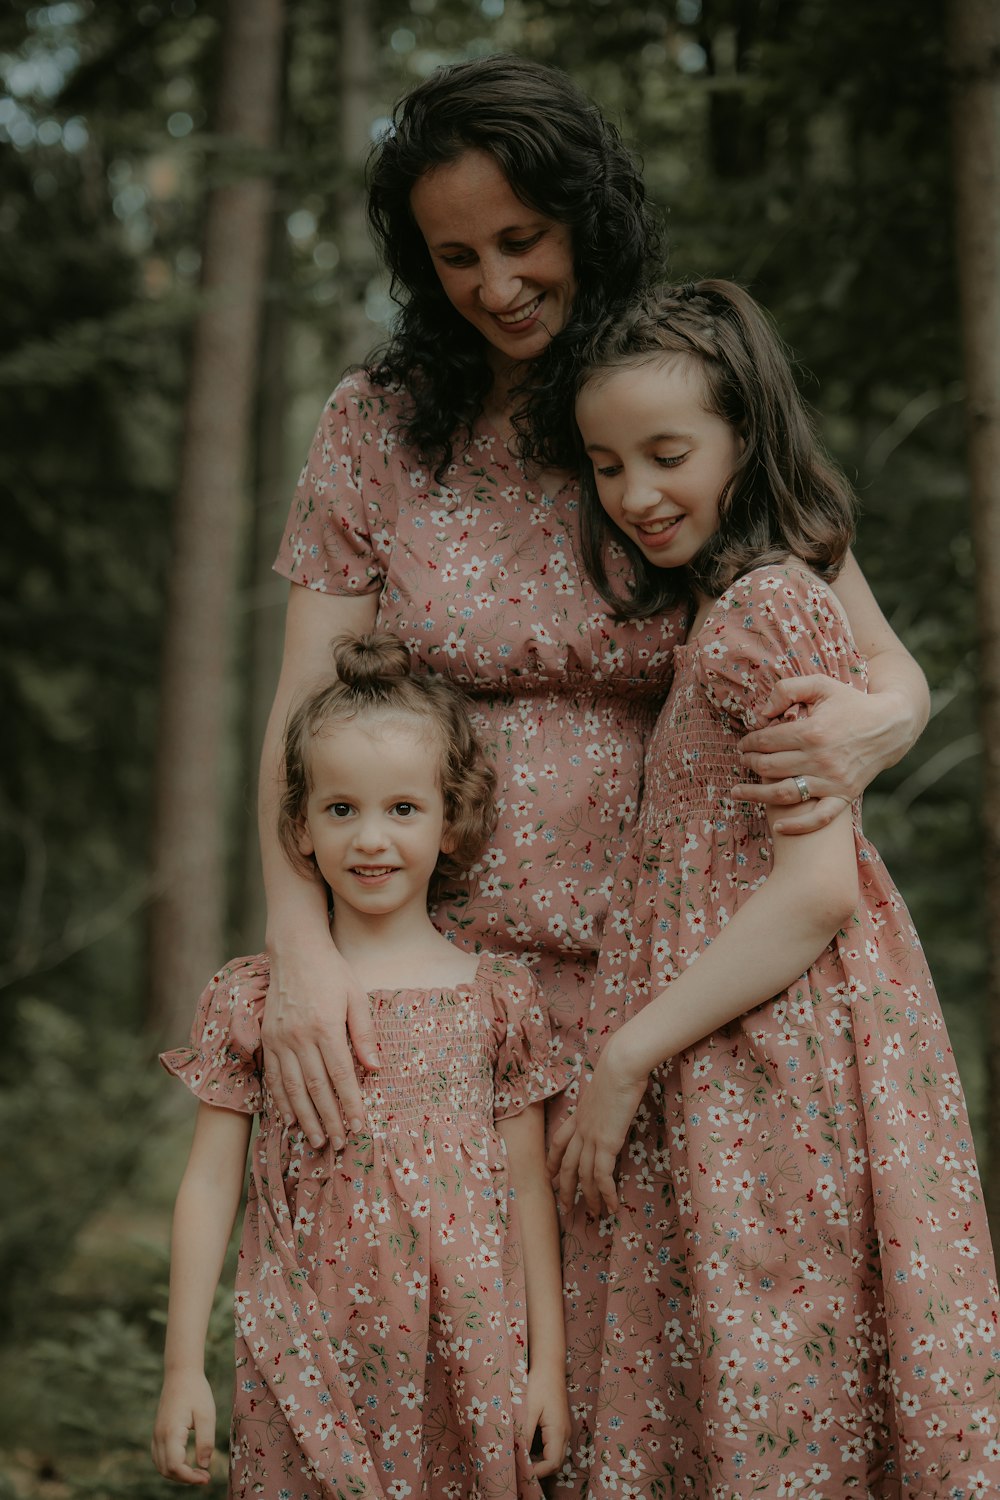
[[584, 1150], [313, 1005], [832, 749]]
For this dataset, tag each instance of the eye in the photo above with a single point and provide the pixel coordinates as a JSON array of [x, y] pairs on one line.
[[463, 258], [404, 809], [670, 461], [340, 809], [607, 471], [518, 247]]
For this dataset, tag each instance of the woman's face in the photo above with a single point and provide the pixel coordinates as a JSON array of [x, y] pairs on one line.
[[505, 267]]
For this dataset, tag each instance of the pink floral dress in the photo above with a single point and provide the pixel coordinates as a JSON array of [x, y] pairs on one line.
[[480, 576], [380, 1306], [798, 1296]]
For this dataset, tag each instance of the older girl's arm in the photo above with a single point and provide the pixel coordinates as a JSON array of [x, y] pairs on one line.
[[771, 940], [844, 738]]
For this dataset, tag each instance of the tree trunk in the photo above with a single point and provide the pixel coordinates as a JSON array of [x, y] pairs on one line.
[[357, 54], [975, 70], [187, 915]]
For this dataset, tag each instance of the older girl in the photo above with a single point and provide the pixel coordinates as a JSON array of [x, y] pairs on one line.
[[797, 1291]]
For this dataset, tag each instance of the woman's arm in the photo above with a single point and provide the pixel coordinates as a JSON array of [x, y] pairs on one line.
[[207, 1201], [313, 992], [772, 939], [844, 739], [546, 1404]]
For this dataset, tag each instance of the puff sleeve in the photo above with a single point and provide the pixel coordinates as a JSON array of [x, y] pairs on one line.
[[771, 624], [528, 1066], [342, 517], [222, 1065]]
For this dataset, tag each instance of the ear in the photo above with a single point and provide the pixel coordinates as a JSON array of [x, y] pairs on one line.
[[304, 839], [449, 840]]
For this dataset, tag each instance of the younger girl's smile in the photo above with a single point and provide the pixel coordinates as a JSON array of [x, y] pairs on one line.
[[661, 458]]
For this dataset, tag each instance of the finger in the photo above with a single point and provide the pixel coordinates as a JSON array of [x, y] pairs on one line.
[[784, 793], [604, 1177], [553, 1449], [811, 816], [591, 1193], [779, 765], [204, 1437], [557, 1145], [362, 1031], [569, 1173], [338, 1083], [310, 1097], [791, 690]]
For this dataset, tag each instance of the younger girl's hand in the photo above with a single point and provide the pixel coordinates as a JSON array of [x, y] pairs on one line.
[[186, 1405], [546, 1412], [585, 1148]]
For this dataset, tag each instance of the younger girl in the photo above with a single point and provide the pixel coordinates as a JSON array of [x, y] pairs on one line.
[[395, 1335], [799, 1295]]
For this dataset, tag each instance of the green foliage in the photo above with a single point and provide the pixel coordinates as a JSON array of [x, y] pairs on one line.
[[75, 1110]]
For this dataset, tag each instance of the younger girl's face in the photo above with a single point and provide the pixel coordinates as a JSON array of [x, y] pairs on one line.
[[661, 459], [375, 816]]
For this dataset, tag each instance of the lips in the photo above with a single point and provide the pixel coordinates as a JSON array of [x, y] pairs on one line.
[[656, 533], [520, 314], [372, 873]]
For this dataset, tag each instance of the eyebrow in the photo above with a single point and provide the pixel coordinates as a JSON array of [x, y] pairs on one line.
[[509, 229], [655, 437]]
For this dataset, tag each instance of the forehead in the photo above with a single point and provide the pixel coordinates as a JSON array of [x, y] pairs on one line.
[[467, 196], [654, 383], [379, 744]]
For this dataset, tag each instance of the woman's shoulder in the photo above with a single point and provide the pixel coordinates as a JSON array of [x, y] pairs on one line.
[[359, 396]]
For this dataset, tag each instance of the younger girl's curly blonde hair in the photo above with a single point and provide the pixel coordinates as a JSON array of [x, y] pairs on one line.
[[375, 680]]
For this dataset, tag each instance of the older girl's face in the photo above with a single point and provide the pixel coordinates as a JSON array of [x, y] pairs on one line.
[[505, 267]]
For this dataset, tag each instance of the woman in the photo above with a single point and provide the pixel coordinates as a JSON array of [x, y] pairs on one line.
[[438, 500]]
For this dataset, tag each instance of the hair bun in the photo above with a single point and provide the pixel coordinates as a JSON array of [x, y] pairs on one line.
[[364, 661]]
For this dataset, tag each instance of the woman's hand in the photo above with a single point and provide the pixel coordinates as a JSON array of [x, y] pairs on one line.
[[313, 1005], [584, 1150], [186, 1405], [546, 1413], [837, 745]]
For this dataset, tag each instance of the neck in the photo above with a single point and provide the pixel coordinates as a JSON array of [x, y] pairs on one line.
[[398, 950]]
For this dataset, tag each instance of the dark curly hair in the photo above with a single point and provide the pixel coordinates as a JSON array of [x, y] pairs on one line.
[[563, 159], [374, 679], [785, 498]]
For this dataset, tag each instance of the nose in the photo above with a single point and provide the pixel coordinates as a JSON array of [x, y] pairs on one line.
[[499, 284], [639, 496], [370, 834]]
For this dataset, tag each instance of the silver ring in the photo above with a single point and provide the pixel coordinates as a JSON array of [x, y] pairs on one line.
[[802, 788]]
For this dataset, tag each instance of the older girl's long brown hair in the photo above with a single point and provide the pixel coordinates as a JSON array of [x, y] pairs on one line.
[[786, 498]]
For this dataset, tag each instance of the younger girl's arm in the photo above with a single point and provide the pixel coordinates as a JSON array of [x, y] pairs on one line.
[[207, 1201], [770, 941], [844, 739], [546, 1404]]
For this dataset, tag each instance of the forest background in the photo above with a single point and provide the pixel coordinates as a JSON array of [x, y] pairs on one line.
[[799, 146]]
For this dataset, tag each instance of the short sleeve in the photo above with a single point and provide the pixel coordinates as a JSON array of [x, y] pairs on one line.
[[344, 499], [773, 623], [222, 1065], [528, 1068]]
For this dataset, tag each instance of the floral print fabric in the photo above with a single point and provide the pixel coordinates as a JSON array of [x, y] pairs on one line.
[[798, 1295], [380, 1307], [480, 577]]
